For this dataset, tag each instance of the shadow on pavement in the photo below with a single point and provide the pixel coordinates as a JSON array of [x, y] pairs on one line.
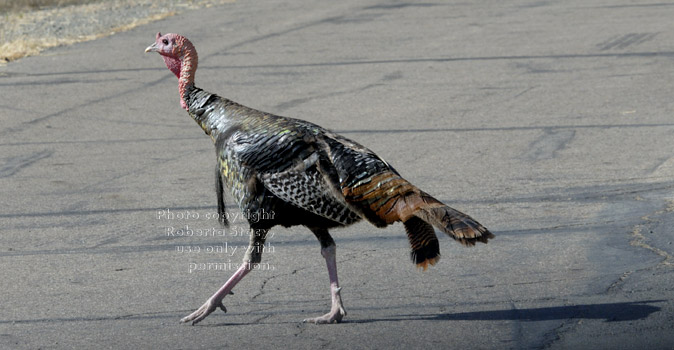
[[610, 312]]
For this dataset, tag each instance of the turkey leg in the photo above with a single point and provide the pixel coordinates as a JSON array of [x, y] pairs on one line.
[[215, 300], [337, 310], [253, 256]]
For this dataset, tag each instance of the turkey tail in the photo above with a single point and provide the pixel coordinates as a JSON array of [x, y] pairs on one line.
[[430, 212], [423, 241], [386, 198], [454, 223]]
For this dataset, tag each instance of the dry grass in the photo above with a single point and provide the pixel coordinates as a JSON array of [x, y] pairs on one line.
[[29, 46], [77, 20], [22, 5]]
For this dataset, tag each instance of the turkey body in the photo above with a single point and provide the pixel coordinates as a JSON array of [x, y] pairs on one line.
[[280, 171]]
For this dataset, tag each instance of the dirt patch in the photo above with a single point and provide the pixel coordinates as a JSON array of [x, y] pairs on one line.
[[28, 31]]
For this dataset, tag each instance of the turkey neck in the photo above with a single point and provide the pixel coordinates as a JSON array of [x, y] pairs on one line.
[[214, 114], [188, 67], [193, 99]]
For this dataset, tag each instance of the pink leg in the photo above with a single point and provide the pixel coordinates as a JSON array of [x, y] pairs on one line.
[[337, 310], [253, 256], [215, 300]]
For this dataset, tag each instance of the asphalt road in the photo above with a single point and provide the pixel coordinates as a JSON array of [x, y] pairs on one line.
[[549, 122]]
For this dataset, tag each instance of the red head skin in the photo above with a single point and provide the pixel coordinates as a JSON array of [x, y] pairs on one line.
[[180, 57]]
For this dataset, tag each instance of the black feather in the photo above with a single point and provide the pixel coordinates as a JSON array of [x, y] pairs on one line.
[[220, 192]]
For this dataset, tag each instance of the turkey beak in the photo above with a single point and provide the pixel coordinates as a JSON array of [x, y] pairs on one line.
[[152, 48]]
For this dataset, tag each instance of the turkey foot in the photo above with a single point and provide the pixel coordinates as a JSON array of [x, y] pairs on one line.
[[336, 312], [205, 310], [215, 301], [330, 317]]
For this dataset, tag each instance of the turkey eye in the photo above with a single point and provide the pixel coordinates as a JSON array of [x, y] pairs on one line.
[[165, 42]]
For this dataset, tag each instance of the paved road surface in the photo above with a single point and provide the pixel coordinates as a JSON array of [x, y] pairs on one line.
[[549, 122]]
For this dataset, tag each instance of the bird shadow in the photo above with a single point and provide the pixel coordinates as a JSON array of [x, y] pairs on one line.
[[609, 312]]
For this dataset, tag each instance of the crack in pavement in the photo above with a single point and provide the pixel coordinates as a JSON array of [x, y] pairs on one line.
[[640, 240], [618, 283]]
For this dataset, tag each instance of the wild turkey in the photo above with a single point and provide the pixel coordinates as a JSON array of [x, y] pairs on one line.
[[305, 175]]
